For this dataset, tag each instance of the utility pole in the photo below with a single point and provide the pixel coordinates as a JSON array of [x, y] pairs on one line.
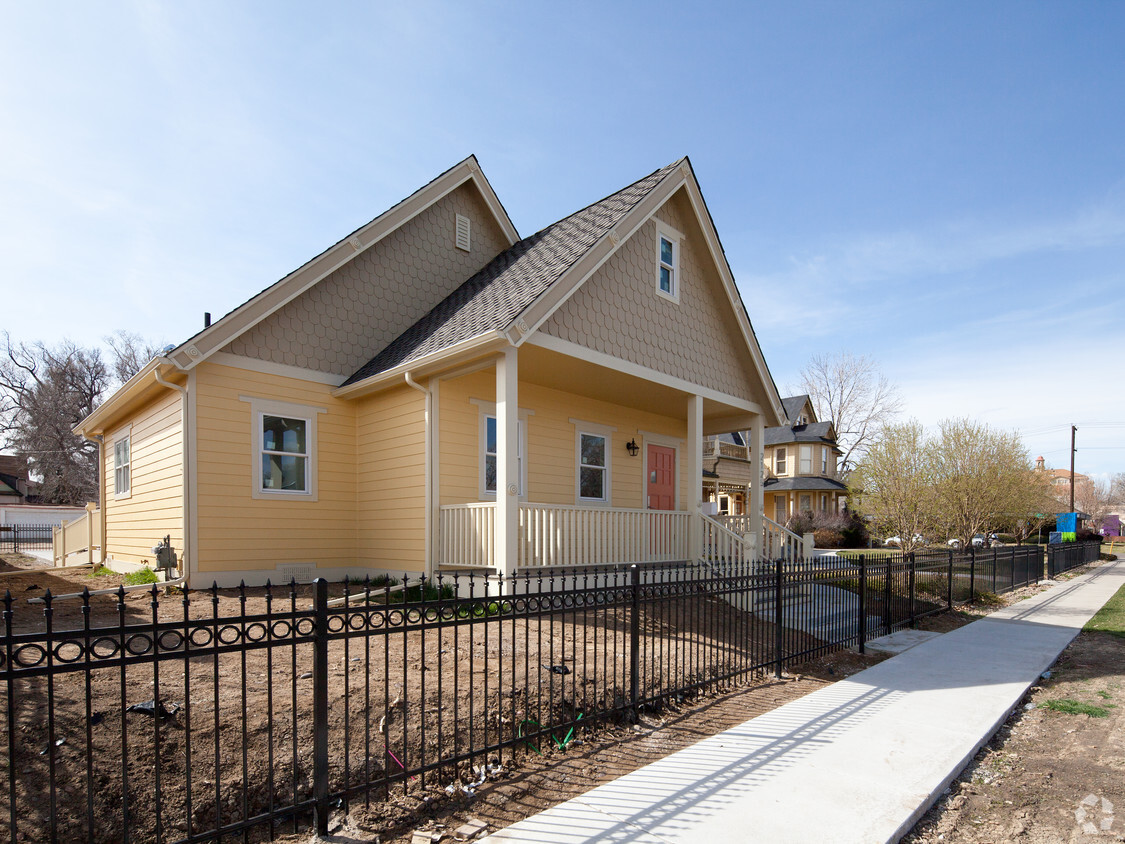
[[1073, 431]]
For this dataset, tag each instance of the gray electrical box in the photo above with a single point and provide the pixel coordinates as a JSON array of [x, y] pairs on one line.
[[165, 557]]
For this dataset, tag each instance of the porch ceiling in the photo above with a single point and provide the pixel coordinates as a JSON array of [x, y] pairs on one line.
[[557, 371]]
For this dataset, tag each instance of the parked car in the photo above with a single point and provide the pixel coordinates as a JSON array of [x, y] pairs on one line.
[[897, 540]]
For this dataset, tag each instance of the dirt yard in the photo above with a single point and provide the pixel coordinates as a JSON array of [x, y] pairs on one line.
[[1055, 772]]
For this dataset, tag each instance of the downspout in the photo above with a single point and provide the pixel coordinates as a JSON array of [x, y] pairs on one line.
[[101, 490], [184, 420], [429, 497]]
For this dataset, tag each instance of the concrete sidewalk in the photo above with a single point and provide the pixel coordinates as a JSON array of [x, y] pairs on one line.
[[858, 761]]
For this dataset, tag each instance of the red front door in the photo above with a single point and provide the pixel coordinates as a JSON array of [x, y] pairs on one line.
[[661, 488]]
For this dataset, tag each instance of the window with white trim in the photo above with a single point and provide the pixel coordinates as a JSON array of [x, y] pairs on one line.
[[593, 467], [824, 460], [668, 263], [122, 466], [779, 460], [284, 446], [806, 503], [806, 460]]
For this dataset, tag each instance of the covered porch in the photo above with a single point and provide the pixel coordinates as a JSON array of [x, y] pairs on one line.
[[581, 462]]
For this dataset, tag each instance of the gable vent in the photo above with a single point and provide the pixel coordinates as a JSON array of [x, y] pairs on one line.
[[464, 233]]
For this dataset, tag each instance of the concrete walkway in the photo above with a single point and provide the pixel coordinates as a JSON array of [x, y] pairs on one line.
[[858, 761]]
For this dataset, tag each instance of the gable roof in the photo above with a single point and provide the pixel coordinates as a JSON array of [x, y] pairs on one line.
[[509, 299], [793, 405], [210, 340], [493, 298]]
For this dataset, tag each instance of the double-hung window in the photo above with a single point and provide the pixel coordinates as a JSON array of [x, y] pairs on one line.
[[284, 463], [593, 467], [285, 454], [779, 460], [122, 465], [490, 454], [824, 460], [668, 263], [806, 460]]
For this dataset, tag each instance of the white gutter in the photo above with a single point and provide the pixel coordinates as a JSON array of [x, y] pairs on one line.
[[429, 499], [185, 421]]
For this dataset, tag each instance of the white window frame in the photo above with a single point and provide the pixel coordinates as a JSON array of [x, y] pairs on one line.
[[665, 232], [125, 437], [824, 460], [259, 409], [780, 461], [804, 460], [485, 411], [593, 429], [724, 505]]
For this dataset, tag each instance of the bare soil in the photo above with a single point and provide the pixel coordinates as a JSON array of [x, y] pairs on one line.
[[1047, 776]]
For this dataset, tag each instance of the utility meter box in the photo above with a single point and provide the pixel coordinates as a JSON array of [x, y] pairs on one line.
[[165, 557]]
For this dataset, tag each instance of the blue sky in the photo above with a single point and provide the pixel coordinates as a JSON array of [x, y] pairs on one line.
[[938, 185]]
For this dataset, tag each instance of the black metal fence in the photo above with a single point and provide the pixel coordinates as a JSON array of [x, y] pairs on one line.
[[1070, 555], [24, 537], [187, 718]]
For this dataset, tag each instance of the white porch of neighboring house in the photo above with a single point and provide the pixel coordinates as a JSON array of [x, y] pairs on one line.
[[516, 532]]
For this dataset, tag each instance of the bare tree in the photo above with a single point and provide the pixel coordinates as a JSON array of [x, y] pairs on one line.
[[44, 392], [130, 353], [850, 391], [892, 484], [1094, 498]]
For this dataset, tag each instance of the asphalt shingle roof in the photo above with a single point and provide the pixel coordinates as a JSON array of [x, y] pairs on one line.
[[492, 298], [783, 484], [793, 405], [814, 432]]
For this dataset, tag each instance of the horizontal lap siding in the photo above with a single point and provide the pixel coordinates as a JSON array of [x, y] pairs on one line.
[[154, 508], [391, 462], [237, 531], [551, 441]]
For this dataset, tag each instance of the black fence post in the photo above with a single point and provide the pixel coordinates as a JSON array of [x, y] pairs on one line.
[[949, 584], [320, 705], [862, 604], [777, 617], [912, 575], [972, 573], [635, 638], [888, 616], [994, 562]]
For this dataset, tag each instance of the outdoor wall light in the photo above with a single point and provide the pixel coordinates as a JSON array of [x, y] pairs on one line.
[[632, 447]]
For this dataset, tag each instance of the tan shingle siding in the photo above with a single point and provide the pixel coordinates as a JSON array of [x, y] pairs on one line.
[[339, 323], [618, 312]]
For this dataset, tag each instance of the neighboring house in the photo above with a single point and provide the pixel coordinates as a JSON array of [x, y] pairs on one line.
[[728, 472], [360, 415], [800, 464], [1060, 481], [19, 497]]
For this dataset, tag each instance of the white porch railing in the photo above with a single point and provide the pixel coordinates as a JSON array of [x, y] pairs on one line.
[[721, 448], [778, 542], [562, 535], [81, 534], [721, 544]]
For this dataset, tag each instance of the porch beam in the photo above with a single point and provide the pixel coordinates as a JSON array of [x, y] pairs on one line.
[[695, 472], [507, 461], [756, 504]]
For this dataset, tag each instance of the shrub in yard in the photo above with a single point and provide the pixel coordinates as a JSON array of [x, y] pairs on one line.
[[141, 576], [828, 538], [1087, 535]]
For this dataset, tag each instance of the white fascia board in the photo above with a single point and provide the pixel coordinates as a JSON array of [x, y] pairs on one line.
[[527, 323], [565, 347], [197, 349], [126, 391], [481, 344], [719, 258]]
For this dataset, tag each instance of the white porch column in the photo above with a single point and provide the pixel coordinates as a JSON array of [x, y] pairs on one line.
[[695, 473], [757, 499], [507, 462]]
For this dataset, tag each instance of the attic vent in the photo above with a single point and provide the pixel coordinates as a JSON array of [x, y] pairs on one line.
[[464, 233]]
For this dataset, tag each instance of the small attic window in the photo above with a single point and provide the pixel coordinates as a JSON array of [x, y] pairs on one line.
[[464, 233]]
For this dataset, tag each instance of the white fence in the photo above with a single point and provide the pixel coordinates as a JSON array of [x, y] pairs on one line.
[[84, 534], [562, 535]]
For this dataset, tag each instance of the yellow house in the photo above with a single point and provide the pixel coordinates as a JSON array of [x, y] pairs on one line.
[[800, 464], [435, 393]]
